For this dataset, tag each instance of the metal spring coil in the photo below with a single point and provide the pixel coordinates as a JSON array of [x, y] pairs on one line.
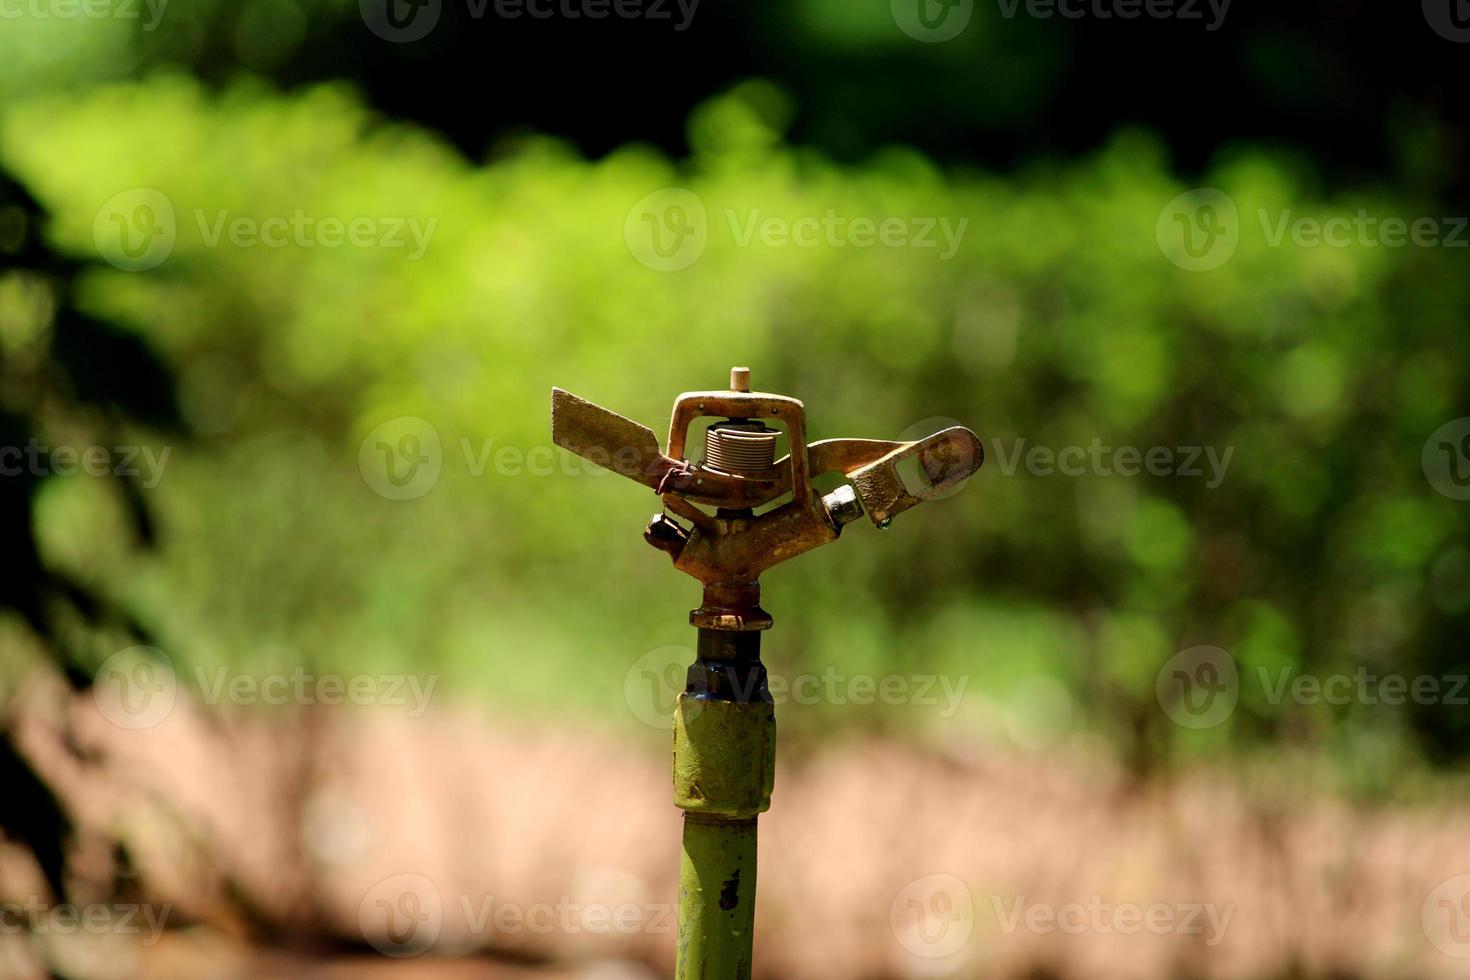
[[741, 448]]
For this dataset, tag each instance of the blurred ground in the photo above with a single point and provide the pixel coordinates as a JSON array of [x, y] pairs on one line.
[[277, 843]]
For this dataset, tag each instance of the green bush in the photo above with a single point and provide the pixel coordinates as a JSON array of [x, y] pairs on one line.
[[1058, 320]]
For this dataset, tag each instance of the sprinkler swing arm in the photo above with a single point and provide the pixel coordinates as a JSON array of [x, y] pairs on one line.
[[724, 721]]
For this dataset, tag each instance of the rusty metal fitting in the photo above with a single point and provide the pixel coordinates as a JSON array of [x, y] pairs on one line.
[[714, 527], [725, 730], [731, 607], [843, 505]]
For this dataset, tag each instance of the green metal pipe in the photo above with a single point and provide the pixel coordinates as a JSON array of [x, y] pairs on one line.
[[724, 769], [716, 898]]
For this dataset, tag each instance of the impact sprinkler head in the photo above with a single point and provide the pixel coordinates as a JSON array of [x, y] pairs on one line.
[[728, 550], [724, 721]]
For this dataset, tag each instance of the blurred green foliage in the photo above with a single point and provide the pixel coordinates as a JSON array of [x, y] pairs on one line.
[[1059, 321]]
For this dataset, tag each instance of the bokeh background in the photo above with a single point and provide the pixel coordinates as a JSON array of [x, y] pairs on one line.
[[325, 454]]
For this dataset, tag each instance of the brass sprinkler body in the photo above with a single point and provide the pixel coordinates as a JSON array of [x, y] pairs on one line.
[[724, 721]]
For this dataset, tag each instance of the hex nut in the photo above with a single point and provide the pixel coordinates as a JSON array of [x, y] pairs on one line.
[[842, 505]]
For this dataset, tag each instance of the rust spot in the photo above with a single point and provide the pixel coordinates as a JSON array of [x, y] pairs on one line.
[[730, 892]]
